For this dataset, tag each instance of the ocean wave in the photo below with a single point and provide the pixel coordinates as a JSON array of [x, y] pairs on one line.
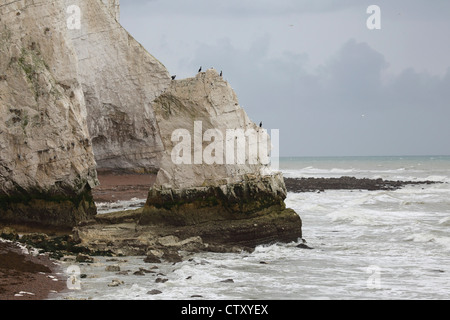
[[445, 221], [108, 207], [430, 237], [438, 178], [355, 216], [404, 174]]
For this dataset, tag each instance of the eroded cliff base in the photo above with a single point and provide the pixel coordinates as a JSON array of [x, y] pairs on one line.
[[121, 233], [47, 210]]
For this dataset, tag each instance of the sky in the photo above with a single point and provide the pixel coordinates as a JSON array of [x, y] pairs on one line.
[[314, 70]]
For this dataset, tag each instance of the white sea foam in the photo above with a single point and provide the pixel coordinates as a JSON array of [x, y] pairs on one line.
[[108, 207], [354, 216], [445, 221], [428, 237]]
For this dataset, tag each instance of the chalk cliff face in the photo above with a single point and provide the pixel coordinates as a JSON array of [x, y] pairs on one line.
[[114, 8], [120, 80], [47, 165], [196, 106]]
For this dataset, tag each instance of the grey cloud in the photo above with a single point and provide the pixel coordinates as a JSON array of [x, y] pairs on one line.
[[417, 9], [240, 8], [343, 107], [352, 104]]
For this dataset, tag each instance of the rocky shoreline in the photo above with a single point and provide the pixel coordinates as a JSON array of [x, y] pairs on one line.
[[120, 234], [299, 185]]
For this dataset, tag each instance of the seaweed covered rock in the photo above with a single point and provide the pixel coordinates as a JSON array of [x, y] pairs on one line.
[[243, 214], [236, 201]]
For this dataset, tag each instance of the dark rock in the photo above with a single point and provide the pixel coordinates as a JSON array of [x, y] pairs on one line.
[[139, 273], [84, 258], [228, 281], [304, 246], [9, 234], [172, 256], [122, 273], [58, 209], [34, 239], [115, 260], [154, 292], [146, 271], [299, 185], [114, 268], [161, 280], [151, 258], [116, 283]]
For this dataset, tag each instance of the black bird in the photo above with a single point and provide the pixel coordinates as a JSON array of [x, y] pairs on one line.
[[174, 77], [221, 73], [261, 124], [200, 70]]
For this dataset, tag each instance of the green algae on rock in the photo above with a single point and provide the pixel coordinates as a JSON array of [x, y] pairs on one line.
[[249, 213]]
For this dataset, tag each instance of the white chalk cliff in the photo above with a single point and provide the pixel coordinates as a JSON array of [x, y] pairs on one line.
[[207, 108], [45, 146], [120, 80]]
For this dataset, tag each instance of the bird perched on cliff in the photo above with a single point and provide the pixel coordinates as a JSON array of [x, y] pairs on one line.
[[200, 70], [221, 73], [261, 124], [174, 77]]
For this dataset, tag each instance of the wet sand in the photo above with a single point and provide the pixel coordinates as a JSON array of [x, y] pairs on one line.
[[115, 186], [28, 277]]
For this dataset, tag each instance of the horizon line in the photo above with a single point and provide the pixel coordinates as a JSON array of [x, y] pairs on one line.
[[366, 156]]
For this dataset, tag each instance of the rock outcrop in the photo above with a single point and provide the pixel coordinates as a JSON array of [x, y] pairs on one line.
[[299, 185], [47, 166], [236, 196], [187, 112]]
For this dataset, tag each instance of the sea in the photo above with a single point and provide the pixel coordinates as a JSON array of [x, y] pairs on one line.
[[366, 245]]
